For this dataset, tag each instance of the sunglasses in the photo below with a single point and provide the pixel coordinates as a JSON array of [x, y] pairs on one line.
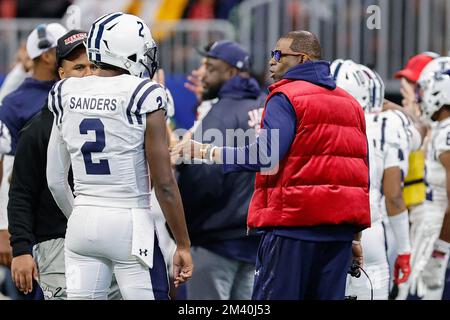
[[277, 54]]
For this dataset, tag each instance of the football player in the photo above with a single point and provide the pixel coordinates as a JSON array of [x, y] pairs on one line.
[[390, 137], [431, 247], [111, 127]]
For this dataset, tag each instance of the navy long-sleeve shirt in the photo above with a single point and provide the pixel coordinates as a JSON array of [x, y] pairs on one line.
[[271, 146], [280, 115]]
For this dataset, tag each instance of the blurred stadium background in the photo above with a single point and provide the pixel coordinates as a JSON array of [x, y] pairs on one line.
[[408, 27]]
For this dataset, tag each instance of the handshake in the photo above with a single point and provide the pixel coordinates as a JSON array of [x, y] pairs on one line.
[[187, 149]]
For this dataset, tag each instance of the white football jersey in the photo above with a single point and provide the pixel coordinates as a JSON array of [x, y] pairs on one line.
[[375, 170], [435, 174], [389, 135], [102, 121], [397, 139]]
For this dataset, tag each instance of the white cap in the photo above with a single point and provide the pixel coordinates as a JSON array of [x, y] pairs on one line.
[[53, 32]]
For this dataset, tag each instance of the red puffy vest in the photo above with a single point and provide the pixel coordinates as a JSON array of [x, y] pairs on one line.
[[324, 177]]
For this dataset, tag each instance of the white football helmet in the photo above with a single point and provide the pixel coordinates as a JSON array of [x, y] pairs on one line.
[[377, 89], [123, 40], [349, 76], [438, 65], [436, 94]]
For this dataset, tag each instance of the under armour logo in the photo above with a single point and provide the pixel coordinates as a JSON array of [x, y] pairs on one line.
[[143, 252]]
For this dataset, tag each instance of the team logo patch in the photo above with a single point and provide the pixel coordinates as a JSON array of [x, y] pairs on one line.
[[75, 37]]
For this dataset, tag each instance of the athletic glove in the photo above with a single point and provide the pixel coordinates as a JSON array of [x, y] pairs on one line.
[[433, 275], [402, 264]]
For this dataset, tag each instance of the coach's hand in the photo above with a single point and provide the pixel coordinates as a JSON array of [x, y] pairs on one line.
[[182, 266], [5, 248], [24, 270], [357, 252]]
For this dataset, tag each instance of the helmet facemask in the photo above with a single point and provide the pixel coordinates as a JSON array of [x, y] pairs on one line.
[[150, 60]]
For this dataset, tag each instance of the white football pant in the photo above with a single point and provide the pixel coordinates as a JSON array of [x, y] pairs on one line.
[[375, 265], [98, 243], [426, 229]]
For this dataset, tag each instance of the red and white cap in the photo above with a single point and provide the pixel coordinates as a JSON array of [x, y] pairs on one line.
[[415, 65]]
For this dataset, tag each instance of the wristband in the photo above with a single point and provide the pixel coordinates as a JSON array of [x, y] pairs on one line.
[[208, 152], [356, 242]]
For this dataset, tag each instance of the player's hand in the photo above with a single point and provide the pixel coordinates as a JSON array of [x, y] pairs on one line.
[[182, 266], [5, 248], [402, 265], [24, 270], [175, 152]]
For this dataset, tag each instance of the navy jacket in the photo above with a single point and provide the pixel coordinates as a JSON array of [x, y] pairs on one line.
[[216, 204], [21, 105]]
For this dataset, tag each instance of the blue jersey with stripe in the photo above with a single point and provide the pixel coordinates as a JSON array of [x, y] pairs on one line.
[[102, 121]]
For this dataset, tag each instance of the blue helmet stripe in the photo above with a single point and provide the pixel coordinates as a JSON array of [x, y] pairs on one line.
[[336, 71], [101, 26], [92, 32], [91, 35]]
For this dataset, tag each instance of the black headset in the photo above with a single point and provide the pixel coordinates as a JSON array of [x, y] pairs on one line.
[[43, 43]]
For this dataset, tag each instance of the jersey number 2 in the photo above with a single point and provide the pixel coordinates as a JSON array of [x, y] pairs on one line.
[[102, 167]]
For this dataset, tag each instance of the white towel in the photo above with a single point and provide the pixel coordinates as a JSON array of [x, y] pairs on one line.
[[143, 236]]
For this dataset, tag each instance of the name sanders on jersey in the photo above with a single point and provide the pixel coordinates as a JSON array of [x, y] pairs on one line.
[[93, 103]]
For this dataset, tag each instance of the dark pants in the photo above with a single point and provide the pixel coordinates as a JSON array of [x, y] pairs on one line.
[[446, 293], [291, 269]]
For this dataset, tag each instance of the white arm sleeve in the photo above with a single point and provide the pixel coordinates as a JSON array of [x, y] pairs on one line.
[[58, 164]]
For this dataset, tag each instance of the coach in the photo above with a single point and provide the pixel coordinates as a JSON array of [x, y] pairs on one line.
[[216, 204], [312, 208]]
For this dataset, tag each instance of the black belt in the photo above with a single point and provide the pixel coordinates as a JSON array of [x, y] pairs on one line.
[[406, 184]]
